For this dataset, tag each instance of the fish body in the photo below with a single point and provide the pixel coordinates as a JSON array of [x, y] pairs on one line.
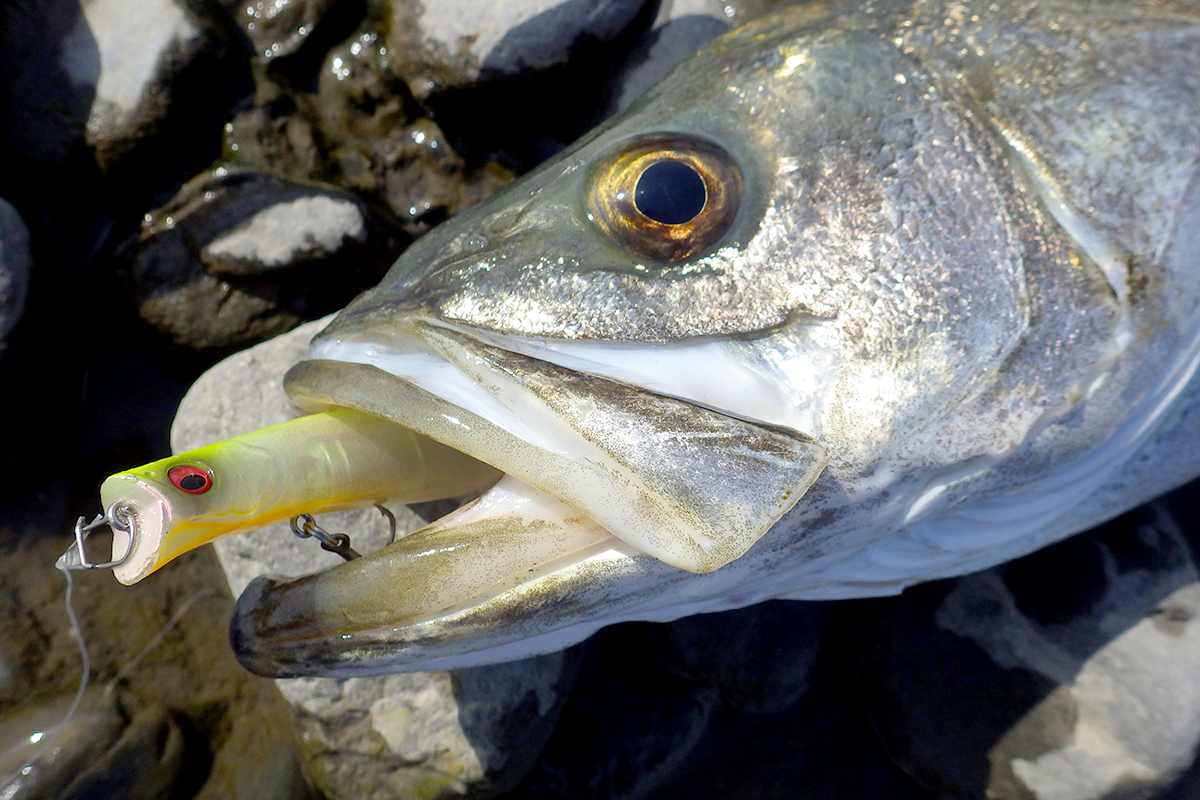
[[861, 295]]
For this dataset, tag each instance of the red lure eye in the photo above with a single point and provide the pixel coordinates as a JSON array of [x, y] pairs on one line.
[[187, 478]]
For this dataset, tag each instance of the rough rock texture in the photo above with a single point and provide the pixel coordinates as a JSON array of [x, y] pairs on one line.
[[436, 734], [16, 263], [238, 257], [1066, 675]]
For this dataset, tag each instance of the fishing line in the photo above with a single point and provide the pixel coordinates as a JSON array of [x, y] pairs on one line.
[[184, 607], [12, 784]]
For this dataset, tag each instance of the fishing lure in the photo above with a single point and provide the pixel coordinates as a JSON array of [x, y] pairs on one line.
[[329, 461]]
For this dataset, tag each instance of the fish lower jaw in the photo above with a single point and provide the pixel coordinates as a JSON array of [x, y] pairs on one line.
[[503, 549]]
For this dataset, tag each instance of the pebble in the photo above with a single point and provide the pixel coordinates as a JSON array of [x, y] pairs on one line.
[[16, 264], [1065, 675], [237, 257]]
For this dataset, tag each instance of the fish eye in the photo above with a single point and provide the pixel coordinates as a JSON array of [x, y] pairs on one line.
[[190, 479], [665, 196]]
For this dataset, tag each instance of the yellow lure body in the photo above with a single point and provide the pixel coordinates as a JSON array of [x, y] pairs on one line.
[[329, 461]]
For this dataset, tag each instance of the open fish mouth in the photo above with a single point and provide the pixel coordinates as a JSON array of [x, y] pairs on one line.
[[600, 476]]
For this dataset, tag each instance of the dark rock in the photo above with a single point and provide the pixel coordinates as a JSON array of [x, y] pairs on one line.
[[1068, 674], [819, 748], [238, 257], [508, 711], [16, 263], [759, 658], [626, 729], [680, 30]]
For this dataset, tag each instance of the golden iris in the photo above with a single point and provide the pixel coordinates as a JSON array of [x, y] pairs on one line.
[[665, 196]]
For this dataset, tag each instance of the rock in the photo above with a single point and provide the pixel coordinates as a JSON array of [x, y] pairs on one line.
[[626, 729], [818, 747], [465, 39], [98, 753], [424, 735], [16, 263], [1065, 675], [681, 29], [143, 86], [238, 257], [280, 30], [437, 734], [760, 658]]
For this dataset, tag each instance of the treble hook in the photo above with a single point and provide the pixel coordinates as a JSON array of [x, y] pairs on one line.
[[118, 517], [304, 526]]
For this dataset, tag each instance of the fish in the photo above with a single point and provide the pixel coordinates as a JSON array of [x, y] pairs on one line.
[[859, 296]]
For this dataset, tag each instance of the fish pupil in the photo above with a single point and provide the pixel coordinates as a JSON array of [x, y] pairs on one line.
[[190, 483], [670, 192]]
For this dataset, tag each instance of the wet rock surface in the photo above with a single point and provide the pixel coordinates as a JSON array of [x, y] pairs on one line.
[[187, 179]]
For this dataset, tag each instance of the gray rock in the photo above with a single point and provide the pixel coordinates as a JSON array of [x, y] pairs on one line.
[[238, 257], [463, 39], [16, 263], [1066, 675], [142, 85], [681, 28], [421, 735]]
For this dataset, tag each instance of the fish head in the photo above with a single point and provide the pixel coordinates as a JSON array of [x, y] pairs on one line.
[[762, 295]]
